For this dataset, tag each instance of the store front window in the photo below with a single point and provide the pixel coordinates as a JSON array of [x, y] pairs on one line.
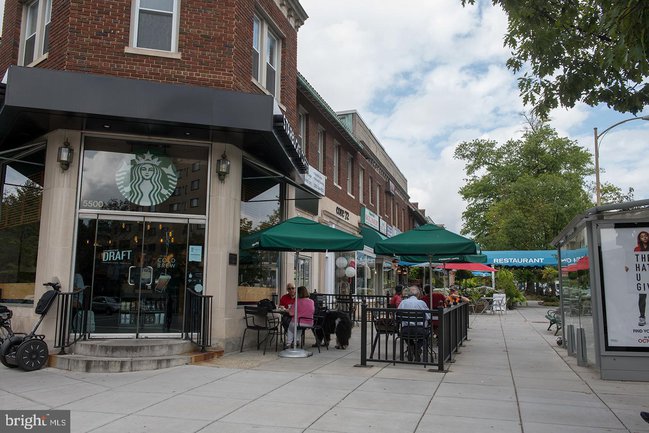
[[140, 244], [132, 175], [260, 208], [22, 189], [345, 274], [303, 273], [365, 273]]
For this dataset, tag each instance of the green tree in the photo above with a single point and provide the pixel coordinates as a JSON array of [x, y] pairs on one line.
[[593, 51], [505, 284], [614, 194], [522, 193]]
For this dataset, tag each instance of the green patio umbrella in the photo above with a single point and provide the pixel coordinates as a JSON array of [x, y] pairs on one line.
[[430, 242], [300, 234]]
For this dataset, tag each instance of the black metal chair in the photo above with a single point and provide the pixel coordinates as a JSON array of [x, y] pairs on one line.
[[274, 328], [254, 322], [415, 336], [317, 328], [384, 325]]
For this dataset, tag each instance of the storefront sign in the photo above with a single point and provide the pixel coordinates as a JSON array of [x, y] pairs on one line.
[[166, 262], [369, 218], [389, 231], [109, 256], [625, 262], [146, 179], [383, 227], [315, 180], [342, 213], [290, 143]]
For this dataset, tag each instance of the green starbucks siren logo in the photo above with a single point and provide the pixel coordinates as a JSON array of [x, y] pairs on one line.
[[146, 179]]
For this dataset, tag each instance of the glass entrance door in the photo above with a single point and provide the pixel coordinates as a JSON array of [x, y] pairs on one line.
[[139, 271]]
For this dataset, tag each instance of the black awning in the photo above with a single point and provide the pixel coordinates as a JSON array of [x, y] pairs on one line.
[[38, 101]]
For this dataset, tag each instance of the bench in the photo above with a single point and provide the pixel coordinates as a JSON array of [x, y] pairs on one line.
[[554, 316]]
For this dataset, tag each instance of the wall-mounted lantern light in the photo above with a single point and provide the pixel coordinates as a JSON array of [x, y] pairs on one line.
[[64, 157], [223, 167]]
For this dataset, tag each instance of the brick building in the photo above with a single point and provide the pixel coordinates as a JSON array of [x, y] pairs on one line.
[[150, 135]]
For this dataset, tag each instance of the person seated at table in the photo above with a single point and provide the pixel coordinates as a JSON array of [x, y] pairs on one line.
[[455, 298], [285, 303], [412, 302], [396, 299], [305, 310], [416, 333], [439, 300]]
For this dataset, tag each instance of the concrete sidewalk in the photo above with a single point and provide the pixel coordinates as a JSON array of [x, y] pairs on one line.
[[510, 377]]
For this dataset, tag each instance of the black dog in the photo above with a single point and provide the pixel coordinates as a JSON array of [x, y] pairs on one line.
[[339, 323]]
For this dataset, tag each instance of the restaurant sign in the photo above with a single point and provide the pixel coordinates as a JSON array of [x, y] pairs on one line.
[[369, 218], [315, 180]]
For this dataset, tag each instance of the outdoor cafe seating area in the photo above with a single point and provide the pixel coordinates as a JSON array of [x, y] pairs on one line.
[[420, 337]]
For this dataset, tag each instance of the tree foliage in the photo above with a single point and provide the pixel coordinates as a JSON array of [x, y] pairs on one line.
[[614, 194], [522, 193], [594, 51]]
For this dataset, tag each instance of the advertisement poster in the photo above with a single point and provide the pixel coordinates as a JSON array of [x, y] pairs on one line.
[[625, 262], [195, 253]]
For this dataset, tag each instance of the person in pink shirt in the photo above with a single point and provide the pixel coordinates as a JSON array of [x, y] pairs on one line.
[[305, 310]]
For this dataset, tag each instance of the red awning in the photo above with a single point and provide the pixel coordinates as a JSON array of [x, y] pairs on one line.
[[476, 267], [582, 265]]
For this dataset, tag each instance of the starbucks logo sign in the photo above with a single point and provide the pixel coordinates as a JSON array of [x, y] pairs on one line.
[[146, 179]]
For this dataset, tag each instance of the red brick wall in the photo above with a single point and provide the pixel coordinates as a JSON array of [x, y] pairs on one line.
[[215, 40], [339, 193]]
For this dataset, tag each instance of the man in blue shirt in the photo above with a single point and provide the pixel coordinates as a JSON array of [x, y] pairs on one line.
[[415, 330]]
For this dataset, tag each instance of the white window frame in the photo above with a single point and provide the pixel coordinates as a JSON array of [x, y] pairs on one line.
[[361, 175], [336, 166], [321, 149], [135, 28], [350, 174], [369, 189], [302, 120], [40, 32], [263, 37], [378, 199]]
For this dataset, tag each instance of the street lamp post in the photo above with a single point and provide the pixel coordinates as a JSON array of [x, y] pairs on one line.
[[598, 188]]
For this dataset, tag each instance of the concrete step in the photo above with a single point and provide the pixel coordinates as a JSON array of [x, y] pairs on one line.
[[117, 356], [132, 348]]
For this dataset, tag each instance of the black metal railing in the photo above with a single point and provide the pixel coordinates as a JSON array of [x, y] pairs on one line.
[[350, 303], [198, 319], [387, 334], [74, 319]]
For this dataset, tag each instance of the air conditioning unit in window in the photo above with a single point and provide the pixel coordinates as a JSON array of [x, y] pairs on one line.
[[390, 188]]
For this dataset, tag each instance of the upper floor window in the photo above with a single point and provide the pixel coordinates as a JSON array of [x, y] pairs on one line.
[[369, 189], [350, 174], [378, 199], [156, 25], [302, 122], [321, 149], [35, 41], [361, 175], [336, 166], [265, 55]]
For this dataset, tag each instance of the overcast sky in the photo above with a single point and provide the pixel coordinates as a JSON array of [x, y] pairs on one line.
[[427, 75]]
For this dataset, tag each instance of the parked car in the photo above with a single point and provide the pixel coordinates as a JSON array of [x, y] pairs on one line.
[[105, 305]]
